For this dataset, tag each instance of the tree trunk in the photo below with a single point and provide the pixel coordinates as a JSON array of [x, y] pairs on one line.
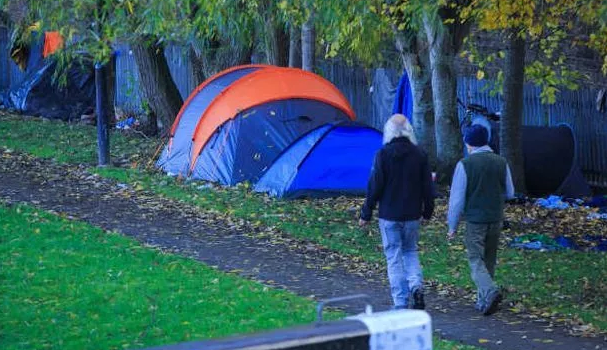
[[218, 55], [416, 61], [418, 69], [276, 42], [308, 44], [511, 140], [197, 66], [295, 46], [157, 85], [449, 145]]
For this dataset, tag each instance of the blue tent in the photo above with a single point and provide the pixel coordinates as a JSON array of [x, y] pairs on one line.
[[331, 160], [403, 99], [236, 123]]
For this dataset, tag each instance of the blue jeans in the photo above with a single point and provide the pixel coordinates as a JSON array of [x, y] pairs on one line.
[[399, 239]]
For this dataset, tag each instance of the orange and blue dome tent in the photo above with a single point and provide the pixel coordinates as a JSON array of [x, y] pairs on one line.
[[236, 123]]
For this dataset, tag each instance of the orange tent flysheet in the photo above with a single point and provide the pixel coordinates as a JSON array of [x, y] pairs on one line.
[[263, 86], [52, 42]]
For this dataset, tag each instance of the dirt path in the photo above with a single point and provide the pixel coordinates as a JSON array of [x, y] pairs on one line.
[[233, 245]]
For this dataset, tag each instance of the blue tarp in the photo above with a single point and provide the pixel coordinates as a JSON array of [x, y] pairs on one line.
[[330, 160], [403, 101], [541, 242], [35, 91], [553, 202]]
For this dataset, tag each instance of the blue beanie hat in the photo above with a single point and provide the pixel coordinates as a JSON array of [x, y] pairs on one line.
[[476, 136]]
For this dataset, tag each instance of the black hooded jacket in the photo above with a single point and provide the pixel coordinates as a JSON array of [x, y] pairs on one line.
[[401, 182]]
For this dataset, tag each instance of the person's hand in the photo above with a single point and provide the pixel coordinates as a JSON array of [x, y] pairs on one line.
[[362, 223], [450, 235]]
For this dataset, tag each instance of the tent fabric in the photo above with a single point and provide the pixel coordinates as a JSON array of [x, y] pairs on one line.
[[34, 91], [243, 148], [52, 42], [176, 157], [231, 74], [551, 162], [263, 86], [277, 180], [403, 101], [383, 94], [39, 95], [328, 161], [235, 124]]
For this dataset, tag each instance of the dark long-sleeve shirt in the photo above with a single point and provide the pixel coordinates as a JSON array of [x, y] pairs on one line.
[[401, 182]]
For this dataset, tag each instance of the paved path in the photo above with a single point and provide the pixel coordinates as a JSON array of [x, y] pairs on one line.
[[236, 246]]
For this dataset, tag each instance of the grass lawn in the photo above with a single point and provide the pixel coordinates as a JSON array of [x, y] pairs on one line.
[[67, 285], [570, 283], [69, 143]]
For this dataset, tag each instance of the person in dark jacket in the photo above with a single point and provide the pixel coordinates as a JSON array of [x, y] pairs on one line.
[[402, 184], [481, 184]]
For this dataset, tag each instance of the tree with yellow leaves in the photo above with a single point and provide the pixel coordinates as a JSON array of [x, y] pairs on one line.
[[543, 24]]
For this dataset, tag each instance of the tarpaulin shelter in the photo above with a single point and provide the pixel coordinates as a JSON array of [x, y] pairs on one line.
[[53, 41], [39, 95], [36, 91], [403, 99], [236, 123], [550, 159], [551, 165], [333, 159]]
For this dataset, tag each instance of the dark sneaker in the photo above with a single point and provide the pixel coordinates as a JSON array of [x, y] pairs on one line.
[[418, 299], [493, 302]]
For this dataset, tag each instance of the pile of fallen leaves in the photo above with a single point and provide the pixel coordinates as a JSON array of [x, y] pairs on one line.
[[529, 218], [574, 223]]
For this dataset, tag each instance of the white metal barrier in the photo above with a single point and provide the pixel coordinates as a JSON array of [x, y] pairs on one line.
[[388, 330]]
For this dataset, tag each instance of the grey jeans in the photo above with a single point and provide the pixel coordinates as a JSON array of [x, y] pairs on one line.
[[399, 240], [481, 243]]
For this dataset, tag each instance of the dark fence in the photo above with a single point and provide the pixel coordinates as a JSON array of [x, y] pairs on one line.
[[128, 94], [4, 59]]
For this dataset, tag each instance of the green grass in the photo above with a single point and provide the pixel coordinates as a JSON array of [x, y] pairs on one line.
[[68, 143], [441, 344], [569, 282], [69, 285]]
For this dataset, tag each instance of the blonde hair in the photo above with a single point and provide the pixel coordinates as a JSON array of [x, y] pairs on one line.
[[398, 126]]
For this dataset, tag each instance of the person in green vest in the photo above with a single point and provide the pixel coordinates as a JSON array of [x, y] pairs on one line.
[[481, 184]]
